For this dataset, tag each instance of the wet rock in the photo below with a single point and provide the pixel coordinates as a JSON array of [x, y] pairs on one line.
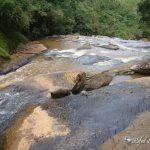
[[24, 54], [111, 46], [84, 93], [91, 121], [60, 93], [95, 119], [135, 137], [15, 64], [91, 83], [80, 83], [91, 59], [126, 72], [48, 95], [142, 68], [97, 81], [85, 46], [54, 81]]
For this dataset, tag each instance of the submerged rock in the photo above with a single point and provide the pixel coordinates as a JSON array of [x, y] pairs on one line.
[[92, 59], [111, 46], [142, 68], [60, 93], [85, 46]]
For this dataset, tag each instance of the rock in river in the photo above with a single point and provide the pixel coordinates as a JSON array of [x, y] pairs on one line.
[[85, 46], [111, 46], [91, 83], [142, 68], [80, 82], [60, 93], [97, 81]]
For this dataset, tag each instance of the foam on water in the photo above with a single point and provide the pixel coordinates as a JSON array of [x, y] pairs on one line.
[[127, 59], [95, 58], [128, 50], [2, 101]]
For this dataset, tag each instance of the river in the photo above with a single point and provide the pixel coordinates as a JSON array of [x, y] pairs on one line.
[[29, 119]]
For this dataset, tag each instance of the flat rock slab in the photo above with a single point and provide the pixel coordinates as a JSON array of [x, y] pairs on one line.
[[95, 118], [90, 120], [15, 98], [135, 137]]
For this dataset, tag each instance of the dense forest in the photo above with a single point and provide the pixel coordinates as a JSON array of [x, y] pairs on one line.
[[21, 20]]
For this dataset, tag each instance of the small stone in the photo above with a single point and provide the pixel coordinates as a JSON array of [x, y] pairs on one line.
[[60, 93], [85, 46], [130, 91], [111, 46], [48, 95], [84, 93]]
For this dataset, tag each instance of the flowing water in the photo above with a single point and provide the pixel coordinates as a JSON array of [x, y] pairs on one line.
[[19, 89], [62, 55]]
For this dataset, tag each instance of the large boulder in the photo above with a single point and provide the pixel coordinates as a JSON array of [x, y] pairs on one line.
[[97, 81], [91, 83], [85, 46], [111, 46], [80, 83], [142, 68]]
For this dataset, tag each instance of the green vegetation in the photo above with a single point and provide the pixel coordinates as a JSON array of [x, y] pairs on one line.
[[37, 18], [144, 9], [8, 41]]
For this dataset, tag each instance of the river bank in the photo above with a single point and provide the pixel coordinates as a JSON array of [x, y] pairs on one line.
[[23, 55], [31, 119]]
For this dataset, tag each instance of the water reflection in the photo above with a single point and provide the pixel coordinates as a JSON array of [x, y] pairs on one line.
[[33, 127]]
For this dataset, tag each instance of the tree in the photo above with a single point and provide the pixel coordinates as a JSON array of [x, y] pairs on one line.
[[144, 9]]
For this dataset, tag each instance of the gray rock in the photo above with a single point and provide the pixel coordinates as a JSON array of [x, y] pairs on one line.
[[80, 83], [91, 83], [97, 81], [142, 68], [111, 46], [60, 93], [85, 46]]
